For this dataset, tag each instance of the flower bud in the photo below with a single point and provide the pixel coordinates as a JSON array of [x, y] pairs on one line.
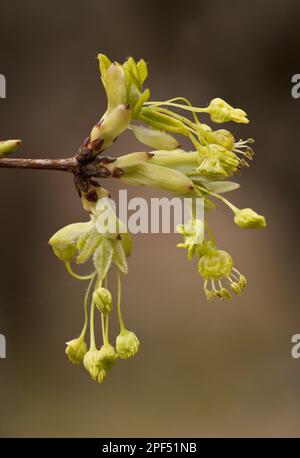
[[115, 86], [216, 264], [103, 300], [112, 125], [156, 139], [127, 344], [64, 241], [220, 111], [8, 146], [65, 254], [92, 363], [247, 218], [203, 129], [107, 356], [76, 349], [223, 138]]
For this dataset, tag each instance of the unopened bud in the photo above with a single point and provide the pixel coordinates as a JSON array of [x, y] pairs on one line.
[[107, 356], [64, 241], [8, 146], [92, 363], [247, 218], [103, 300], [220, 111], [224, 138], [113, 124], [76, 349], [127, 344]]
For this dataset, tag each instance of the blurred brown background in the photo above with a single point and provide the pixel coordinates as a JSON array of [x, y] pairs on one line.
[[204, 369]]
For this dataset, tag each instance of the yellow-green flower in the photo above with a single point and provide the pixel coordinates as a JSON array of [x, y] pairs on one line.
[[216, 266], [193, 233], [127, 344], [92, 363], [220, 111], [107, 356], [216, 162], [103, 300], [64, 241], [76, 349], [247, 218], [223, 138]]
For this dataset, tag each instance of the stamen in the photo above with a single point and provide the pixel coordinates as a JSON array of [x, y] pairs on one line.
[[237, 271], [230, 280], [237, 278], [236, 150], [213, 287]]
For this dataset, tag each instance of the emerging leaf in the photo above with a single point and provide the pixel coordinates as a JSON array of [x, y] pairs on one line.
[[119, 257], [157, 139], [88, 246], [103, 257]]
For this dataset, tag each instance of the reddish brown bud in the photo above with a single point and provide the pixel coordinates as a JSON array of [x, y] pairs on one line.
[[117, 172], [91, 196], [97, 144]]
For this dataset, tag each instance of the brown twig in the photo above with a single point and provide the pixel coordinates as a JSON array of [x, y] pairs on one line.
[[64, 165], [85, 166]]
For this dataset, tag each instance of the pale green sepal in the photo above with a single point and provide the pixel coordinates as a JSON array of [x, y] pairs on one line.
[[158, 177], [221, 187], [156, 139]]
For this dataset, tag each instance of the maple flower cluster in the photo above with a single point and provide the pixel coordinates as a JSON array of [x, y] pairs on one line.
[[203, 171]]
